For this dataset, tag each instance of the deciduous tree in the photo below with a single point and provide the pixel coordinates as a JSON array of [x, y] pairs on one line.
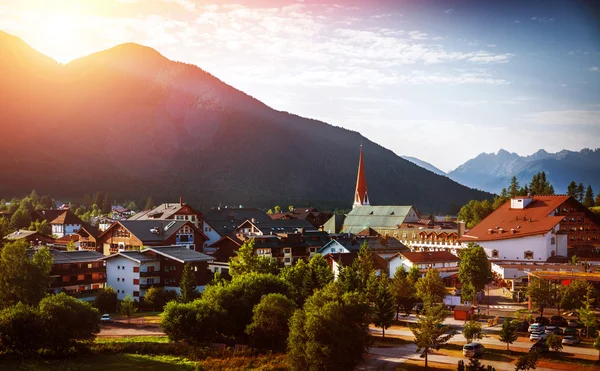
[[554, 342], [269, 328], [431, 288], [107, 301], [474, 268], [20, 219], [472, 331], [508, 334], [527, 361], [541, 293], [128, 307], [21, 327], [157, 297], [430, 332], [247, 262]]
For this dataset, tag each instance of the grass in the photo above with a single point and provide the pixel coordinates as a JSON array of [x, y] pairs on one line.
[[133, 339], [388, 342]]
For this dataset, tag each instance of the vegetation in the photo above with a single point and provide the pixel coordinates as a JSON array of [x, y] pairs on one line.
[[586, 312], [107, 301], [431, 288], [430, 332], [305, 278], [472, 331], [554, 342], [247, 262], [403, 289], [527, 361], [573, 295], [508, 334], [157, 297], [187, 285], [384, 309], [541, 293], [269, 328], [474, 271], [128, 307]]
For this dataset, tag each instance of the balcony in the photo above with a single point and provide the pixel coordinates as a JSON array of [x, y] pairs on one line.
[[146, 286], [150, 274]]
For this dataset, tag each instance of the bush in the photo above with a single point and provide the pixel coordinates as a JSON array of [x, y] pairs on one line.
[[157, 297], [107, 301], [194, 323], [269, 328], [20, 329], [67, 321]]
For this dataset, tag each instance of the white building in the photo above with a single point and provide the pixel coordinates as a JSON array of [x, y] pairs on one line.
[[443, 261]]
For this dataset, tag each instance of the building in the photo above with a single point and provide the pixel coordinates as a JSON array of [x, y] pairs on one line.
[[134, 272], [339, 260], [63, 222], [361, 194], [133, 235], [89, 238], [524, 228], [310, 214], [513, 274], [335, 224], [383, 246], [171, 211], [443, 261], [34, 238], [222, 222], [64, 242], [271, 227], [78, 273], [288, 248], [386, 220]]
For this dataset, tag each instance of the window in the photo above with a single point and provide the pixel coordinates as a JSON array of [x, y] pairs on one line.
[[494, 253], [118, 279], [136, 281], [118, 267], [287, 250], [287, 260], [553, 241], [136, 269], [136, 294], [528, 255]]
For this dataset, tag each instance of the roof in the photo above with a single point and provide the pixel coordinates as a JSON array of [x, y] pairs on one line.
[[506, 223], [226, 221], [574, 276], [368, 232], [71, 257], [66, 239], [361, 194], [90, 229], [281, 225], [377, 217], [67, 217], [376, 244], [162, 211], [430, 256], [48, 215], [335, 223], [21, 233], [142, 229], [179, 253], [131, 255], [346, 259]]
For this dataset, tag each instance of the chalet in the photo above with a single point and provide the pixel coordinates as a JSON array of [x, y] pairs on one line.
[[120, 212], [310, 214], [133, 235], [226, 248], [443, 261], [89, 238], [63, 222], [384, 247], [34, 238], [533, 228], [224, 222], [338, 260], [171, 211], [134, 272], [63, 243], [78, 273], [271, 227]]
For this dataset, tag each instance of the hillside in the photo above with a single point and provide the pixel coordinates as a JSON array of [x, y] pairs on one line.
[[491, 172], [424, 164], [130, 122]]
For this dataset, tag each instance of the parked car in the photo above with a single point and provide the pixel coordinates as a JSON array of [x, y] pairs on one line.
[[543, 320], [559, 321], [540, 335], [571, 331], [573, 323], [473, 350], [570, 340], [536, 327], [553, 330], [593, 332], [540, 346], [105, 318], [522, 326]]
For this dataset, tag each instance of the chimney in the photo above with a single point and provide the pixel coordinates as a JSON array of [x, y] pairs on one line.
[[461, 229], [180, 200]]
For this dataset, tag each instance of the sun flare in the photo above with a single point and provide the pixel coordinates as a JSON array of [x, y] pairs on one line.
[[58, 33]]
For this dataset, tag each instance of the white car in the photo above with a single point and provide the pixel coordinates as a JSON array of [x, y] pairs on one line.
[[539, 335], [535, 327], [570, 340], [105, 318]]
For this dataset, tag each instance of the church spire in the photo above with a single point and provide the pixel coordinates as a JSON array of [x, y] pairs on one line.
[[361, 196]]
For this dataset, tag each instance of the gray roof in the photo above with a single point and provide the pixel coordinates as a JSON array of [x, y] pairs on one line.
[[163, 211], [335, 223], [68, 257], [133, 255], [142, 228], [21, 233], [376, 217], [179, 253], [375, 244], [225, 221], [283, 226]]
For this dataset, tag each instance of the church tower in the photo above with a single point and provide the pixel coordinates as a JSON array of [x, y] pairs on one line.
[[361, 196]]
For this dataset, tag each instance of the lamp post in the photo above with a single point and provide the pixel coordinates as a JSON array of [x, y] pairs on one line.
[[488, 295]]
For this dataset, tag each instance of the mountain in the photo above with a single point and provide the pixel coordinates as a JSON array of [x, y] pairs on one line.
[[424, 165], [492, 172], [132, 123]]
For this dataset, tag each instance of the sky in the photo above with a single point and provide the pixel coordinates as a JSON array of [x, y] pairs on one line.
[[438, 80]]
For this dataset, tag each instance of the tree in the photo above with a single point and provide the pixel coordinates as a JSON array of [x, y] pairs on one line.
[[71, 246], [472, 331], [131, 205], [20, 329], [277, 209], [331, 332], [541, 294], [572, 189], [195, 323], [554, 342], [597, 202], [149, 204], [128, 307], [246, 261], [474, 268], [304, 278], [540, 186], [348, 279], [527, 361], [384, 309], [20, 219], [580, 192], [270, 212], [573, 294], [23, 279], [187, 284], [508, 333], [588, 199], [586, 313], [68, 321], [431, 288], [6, 228], [269, 328], [290, 208], [106, 301], [403, 290], [475, 211], [42, 227], [574, 260], [429, 331], [514, 188], [106, 205], [363, 265], [157, 297]]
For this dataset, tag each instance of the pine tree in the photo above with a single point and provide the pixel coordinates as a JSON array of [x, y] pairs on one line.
[[588, 200], [149, 204], [106, 206], [187, 285], [430, 332], [580, 192], [384, 309], [513, 189], [363, 265], [508, 334], [572, 189]]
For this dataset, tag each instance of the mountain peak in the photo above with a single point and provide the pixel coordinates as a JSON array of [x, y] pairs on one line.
[[128, 53]]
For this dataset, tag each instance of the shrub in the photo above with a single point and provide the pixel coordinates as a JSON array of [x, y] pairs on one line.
[[107, 301], [20, 329]]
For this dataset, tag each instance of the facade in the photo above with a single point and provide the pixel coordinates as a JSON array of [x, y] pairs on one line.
[[89, 238], [133, 235], [63, 222], [211, 234], [383, 246], [171, 211], [134, 272], [524, 228], [34, 238], [443, 261], [310, 214], [288, 248], [272, 227], [513, 274], [78, 273], [339, 260]]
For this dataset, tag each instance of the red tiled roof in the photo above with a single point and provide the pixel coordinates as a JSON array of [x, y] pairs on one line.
[[67, 217], [430, 256], [346, 259], [66, 239], [505, 223]]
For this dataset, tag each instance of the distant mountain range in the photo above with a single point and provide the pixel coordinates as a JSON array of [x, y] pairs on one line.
[[424, 165], [132, 123], [492, 172]]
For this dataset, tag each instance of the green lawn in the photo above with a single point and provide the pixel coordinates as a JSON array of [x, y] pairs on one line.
[[119, 362], [133, 339]]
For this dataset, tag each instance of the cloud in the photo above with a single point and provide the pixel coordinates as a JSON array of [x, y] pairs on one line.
[[594, 69], [449, 11], [542, 19], [187, 4], [491, 45], [469, 103], [567, 117]]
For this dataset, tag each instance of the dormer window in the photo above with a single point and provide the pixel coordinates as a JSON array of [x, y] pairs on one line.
[[528, 255], [495, 254]]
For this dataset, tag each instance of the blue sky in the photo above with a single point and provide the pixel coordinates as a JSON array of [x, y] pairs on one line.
[[439, 80]]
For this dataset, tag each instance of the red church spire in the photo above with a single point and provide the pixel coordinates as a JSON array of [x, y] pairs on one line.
[[361, 195]]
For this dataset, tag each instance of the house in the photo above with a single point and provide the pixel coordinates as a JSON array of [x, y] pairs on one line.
[[78, 273], [133, 235], [225, 248], [338, 260], [171, 211], [513, 274], [63, 222], [384, 247], [443, 261], [223, 222], [34, 238], [334, 224], [310, 214], [527, 228], [63, 243], [386, 220], [288, 248], [120, 212], [134, 272], [89, 238], [271, 227]]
